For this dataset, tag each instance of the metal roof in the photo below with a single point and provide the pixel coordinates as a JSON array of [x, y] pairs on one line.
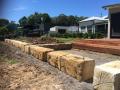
[[111, 6], [94, 18]]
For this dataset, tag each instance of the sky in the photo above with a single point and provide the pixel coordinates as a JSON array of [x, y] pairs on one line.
[[15, 9]]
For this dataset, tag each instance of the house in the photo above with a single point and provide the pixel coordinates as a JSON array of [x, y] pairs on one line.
[[64, 29], [114, 20], [93, 25]]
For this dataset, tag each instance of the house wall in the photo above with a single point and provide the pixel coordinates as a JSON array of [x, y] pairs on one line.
[[113, 23], [87, 23], [69, 29], [73, 29]]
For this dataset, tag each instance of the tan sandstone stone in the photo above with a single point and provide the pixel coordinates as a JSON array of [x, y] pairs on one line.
[[107, 76], [39, 52], [54, 58], [79, 67]]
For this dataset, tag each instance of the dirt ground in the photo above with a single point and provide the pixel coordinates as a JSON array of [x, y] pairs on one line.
[[19, 71], [39, 40], [100, 58]]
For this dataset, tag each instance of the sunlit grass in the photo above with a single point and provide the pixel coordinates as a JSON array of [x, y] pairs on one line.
[[4, 58], [12, 61], [66, 40]]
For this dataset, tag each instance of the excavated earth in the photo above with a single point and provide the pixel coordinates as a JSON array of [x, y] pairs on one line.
[[19, 71]]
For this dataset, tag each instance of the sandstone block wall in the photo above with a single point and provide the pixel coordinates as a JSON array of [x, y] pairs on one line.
[[78, 67]]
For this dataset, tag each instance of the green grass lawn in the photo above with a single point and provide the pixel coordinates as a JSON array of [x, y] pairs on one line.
[[66, 40]]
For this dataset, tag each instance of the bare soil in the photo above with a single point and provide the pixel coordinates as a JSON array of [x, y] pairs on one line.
[[39, 40], [19, 71], [100, 58]]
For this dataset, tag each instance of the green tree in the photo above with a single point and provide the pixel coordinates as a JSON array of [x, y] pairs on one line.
[[23, 21], [34, 19], [3, 31], [46, 18], [72, 20], [62, 20], [3, 22], [11, 27]]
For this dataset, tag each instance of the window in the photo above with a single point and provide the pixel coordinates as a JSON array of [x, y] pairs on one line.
[[62, 31], [83, 29], [89, 28]]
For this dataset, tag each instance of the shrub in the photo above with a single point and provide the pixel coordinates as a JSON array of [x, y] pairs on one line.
[[3, 31], [79, 35], [85, 35], [100, 35]]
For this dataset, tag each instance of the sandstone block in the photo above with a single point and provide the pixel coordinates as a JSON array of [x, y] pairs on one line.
[[79, 67], [39, 52], [107, 76], [27, 49], [54, 58], [7, 40]]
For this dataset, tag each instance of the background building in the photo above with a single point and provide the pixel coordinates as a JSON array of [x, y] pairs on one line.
[[93, 25], [64, 29], [114, 20]]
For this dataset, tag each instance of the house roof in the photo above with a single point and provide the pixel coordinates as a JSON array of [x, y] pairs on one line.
[[111, 6], [94, 18]]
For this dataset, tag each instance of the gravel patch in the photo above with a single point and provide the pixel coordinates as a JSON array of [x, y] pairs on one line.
[[100, 58]]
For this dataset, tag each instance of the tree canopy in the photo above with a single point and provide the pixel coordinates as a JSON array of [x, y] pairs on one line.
[[61, 20], [7, 27], [4, 22]]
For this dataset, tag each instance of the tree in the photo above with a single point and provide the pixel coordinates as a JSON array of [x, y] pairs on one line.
[[80, 18], [53, 21], [3, 22], [3, 31], [11, 27], [46, 18], [23, 21], [34, 19], [62, 20], [72, 20]]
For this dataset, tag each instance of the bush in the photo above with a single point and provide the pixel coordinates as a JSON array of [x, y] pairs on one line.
[[79, 35], [85, 35], [100, 35], [3, 31]]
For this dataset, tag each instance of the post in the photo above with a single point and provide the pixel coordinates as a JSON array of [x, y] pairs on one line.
[[108, 36], [93, 30]]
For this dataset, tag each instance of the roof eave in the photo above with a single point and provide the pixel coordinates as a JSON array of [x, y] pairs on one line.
[[111, 6]]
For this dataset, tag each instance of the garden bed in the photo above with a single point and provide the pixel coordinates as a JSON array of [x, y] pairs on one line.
[[99, 45], [39, 40]]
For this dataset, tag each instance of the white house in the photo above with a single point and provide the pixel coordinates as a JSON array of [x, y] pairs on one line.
[[93, 25], [64, 29], [114, 20]]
